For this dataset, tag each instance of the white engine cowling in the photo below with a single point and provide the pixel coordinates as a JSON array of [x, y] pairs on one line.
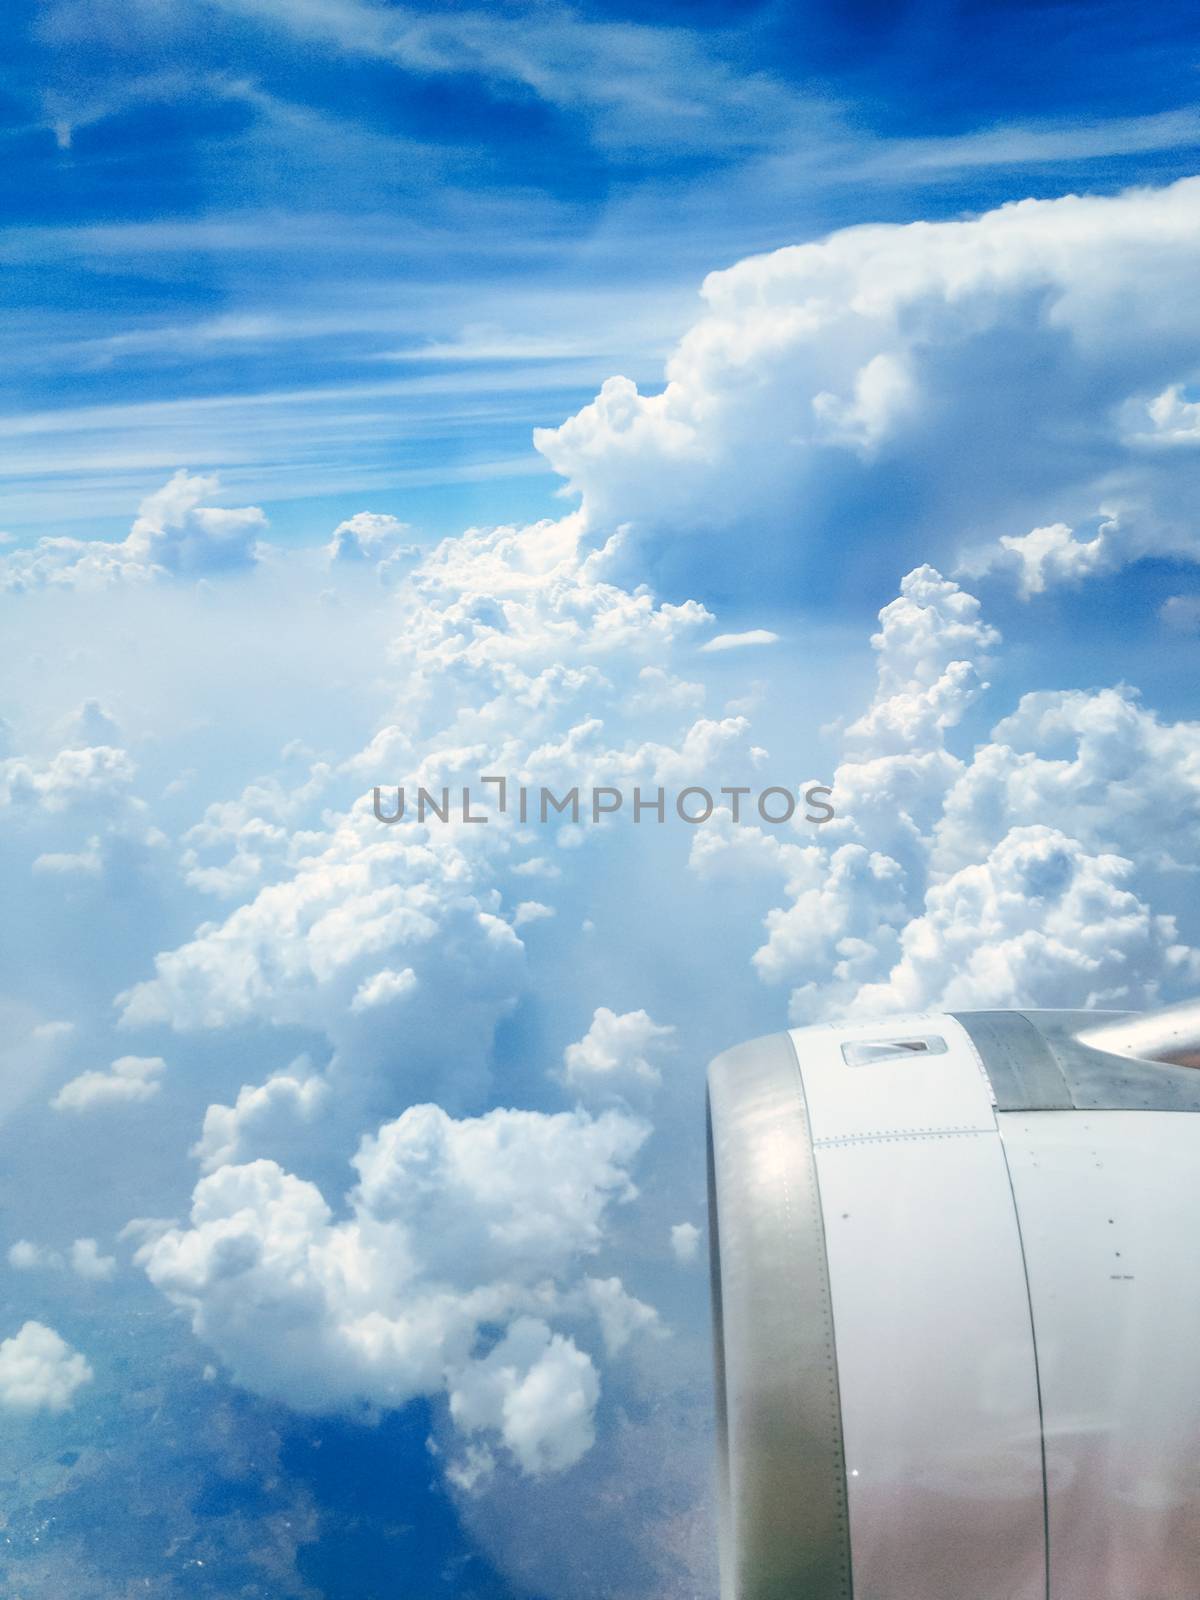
[[956, 1294]]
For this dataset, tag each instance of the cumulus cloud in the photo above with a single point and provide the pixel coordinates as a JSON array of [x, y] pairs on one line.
[[929, 649], [455, 1227], [894, 369], [1174, 419], [174, 534], [382, 987], [1109, 771], [364, 893], [849, 894], [618, 1055], [24, 1256], [128, 1081], [74, 779], [1040, 919], [1047, 556], [371, 537], [39, 1371], [537, 1390], [531, 911], [621, 1315], [938, 884], [685, 1242], [261, 1116], [515, 654], [84, 1259], [87, 1261]]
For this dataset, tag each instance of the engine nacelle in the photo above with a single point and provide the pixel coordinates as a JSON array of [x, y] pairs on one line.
[[956, 1294]]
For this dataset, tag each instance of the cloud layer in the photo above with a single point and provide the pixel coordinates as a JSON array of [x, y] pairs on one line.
[[432, 1130]]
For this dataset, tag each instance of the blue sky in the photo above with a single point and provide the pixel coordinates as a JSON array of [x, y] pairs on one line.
[[343, 247], [735, 396]]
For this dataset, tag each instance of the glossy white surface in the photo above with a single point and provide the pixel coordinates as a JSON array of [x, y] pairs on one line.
[[1109, 1203], [906, 1094], [935, 1347], [936, 1370]]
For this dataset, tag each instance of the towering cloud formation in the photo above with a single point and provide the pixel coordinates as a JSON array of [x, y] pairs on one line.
[[939, 883], [945, 387]]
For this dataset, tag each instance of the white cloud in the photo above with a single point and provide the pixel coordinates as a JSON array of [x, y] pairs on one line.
[[929, 649], [511, 1186], [618, 1055], [1038, 921], [1174, 419], [849, 894], [88, 862], [659, 690], [512, 648], [173, 534], [636, 84], [620, 1314], [739, 641], [88, 1263], [255, 827], [1054, 554], [359, 894], [938, 883], [25, 1256], [129, 1081], [1182, 612], [454, 1227], [73, 779], [84, 1259], [39, 1371], [262, 1115], [382, 987], [1109, 772], [685, 1242], [841, 920], [912, 357], [536, 867], [538, 1391], [882, 396], [372, 537], [531, 911]]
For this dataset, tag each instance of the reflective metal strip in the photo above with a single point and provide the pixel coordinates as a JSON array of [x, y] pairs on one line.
[[784, 1522], [1023, 1072], [1100, 1081], [1037, 1061]]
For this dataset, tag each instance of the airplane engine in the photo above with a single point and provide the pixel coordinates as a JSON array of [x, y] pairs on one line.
[[956, 1305]]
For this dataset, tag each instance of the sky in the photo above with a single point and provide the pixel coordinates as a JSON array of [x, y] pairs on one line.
[[735, 398]]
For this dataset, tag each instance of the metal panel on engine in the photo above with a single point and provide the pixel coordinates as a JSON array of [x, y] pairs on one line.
[[935, 1349], [1107, 1204]]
